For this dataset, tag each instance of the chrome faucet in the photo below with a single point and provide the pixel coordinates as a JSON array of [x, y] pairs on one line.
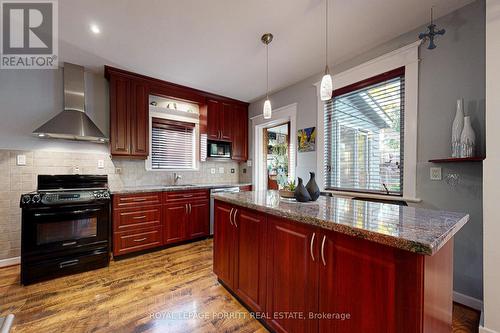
[[176, 178]]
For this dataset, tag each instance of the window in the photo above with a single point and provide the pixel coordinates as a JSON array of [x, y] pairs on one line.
[[364, 135], [173, 144]]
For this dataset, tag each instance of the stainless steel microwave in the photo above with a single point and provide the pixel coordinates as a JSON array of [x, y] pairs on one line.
[[217, 149]]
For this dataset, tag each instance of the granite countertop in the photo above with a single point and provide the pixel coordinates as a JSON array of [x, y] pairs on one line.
[[168, 188], [418, 230]]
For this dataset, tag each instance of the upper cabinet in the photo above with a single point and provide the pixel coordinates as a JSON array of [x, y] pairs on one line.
[[129, 114], [221, 118]]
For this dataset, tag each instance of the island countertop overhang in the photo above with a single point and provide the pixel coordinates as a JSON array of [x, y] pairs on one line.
[[418, 230]]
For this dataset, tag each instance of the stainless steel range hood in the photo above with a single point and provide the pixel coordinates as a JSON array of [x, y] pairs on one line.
[[72, 123]]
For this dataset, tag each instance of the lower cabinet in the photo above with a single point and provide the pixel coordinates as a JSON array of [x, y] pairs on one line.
[[149, 220], [292, 276], [240, 253], [307, 279]]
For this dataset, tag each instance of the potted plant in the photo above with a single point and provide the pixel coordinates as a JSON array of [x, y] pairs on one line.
[[288, 190]]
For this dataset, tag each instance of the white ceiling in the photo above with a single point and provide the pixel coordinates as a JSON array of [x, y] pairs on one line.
[[214, 45]]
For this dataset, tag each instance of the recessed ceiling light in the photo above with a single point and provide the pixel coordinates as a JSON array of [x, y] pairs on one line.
[[95, 29]]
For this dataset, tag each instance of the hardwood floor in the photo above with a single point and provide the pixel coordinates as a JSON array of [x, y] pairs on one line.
[[172, 290]]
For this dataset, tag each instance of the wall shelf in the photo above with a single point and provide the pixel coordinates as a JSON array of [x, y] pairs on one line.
[[457, 159]]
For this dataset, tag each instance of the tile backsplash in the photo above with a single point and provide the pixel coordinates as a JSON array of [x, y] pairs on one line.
[[18, 179]]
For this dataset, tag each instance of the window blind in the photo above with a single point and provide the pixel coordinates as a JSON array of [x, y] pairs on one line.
[[172, 144], [364, 136]]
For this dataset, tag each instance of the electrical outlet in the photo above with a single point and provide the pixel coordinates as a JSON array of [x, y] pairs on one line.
[[232, 170], [244, 170], [249, 163], [100, 164], [21, 159], [221, 169], [436, 174], [76, 170], [212, 171], [118, 171]]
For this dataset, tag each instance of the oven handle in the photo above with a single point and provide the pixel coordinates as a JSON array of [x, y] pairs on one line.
[[69, 263], [75, 212]]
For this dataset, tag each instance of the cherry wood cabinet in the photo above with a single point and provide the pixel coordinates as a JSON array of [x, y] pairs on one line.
[[221, 118], [250, 252], [129, 117], [292, 275], [240, 133], [316, 280], [175, 222], [149, 220], [198, 212]]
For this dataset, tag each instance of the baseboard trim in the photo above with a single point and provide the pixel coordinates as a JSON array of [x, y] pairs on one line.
[[10, 262], [483, 329], [469, 301]]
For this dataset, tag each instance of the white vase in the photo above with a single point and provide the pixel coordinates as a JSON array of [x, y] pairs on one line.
[[467, 139], [456, 130]]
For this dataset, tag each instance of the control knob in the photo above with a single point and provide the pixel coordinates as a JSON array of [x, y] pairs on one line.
[[36, 198], [26, 199]]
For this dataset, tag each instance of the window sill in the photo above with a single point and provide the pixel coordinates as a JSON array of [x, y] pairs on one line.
[[372, 196]]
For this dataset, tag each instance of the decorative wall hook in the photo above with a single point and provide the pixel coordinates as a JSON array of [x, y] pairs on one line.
[[432, 32]]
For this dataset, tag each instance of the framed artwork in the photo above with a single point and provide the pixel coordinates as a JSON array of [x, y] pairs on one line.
[[306, 139]]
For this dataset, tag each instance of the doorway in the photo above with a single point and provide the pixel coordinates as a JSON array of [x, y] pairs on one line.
[[273, 131], [277, 155]]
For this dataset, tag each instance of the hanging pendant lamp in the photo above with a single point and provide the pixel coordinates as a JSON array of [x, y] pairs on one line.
[[267, 110], [326, 87]]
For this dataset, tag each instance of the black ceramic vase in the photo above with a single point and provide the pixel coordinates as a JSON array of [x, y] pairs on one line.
[[301, 194], [312, 187]]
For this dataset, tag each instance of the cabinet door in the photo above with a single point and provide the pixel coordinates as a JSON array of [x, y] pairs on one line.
[[226, 121], [139, 114], [119, 88], [357, 278], [223, 243], [199, 219], [175, 217], [240, 134], [213, 119], [250, 262], [292, 276]]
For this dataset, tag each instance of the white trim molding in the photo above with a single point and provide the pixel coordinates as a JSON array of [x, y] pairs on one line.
[[469, 301], [10, 262], [407, 57], [483, 329], [281, 115]]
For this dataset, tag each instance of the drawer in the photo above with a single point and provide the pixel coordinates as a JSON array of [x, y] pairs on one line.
[[136, 200], [128, 219], [137, 240], [246, 188], [176, 196]]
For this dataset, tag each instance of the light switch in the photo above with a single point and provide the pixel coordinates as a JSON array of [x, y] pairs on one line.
[[21, 159], [436, 174], [118, 171], [100, 164], [249, 163], [221, 169], [76, 170]]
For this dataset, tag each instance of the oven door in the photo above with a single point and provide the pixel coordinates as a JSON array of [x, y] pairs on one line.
[[65, 227]]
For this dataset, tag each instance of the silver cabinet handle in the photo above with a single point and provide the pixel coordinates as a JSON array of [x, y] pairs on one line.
[[311, 246], [234, 218], [140, 239], [231, 216], [139, 217], [190, 208], [186, 208], [68, 243], [323, 250]]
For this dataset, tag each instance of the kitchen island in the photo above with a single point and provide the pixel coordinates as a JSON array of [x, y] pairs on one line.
[[336, 265]]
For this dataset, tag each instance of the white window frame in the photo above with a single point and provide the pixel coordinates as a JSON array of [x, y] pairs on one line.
[[407, 57], [176, 116]]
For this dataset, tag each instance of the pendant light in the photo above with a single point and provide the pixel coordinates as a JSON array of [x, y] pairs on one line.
[[326, 87], [267, 110]]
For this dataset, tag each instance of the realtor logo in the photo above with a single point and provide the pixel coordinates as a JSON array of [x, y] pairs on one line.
[[29, 34]]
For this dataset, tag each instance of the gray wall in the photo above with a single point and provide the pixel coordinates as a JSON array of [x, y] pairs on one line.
[[455, 69], [28, 98]]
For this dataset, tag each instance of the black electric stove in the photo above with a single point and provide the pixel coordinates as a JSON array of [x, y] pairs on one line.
[[65, 227]]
